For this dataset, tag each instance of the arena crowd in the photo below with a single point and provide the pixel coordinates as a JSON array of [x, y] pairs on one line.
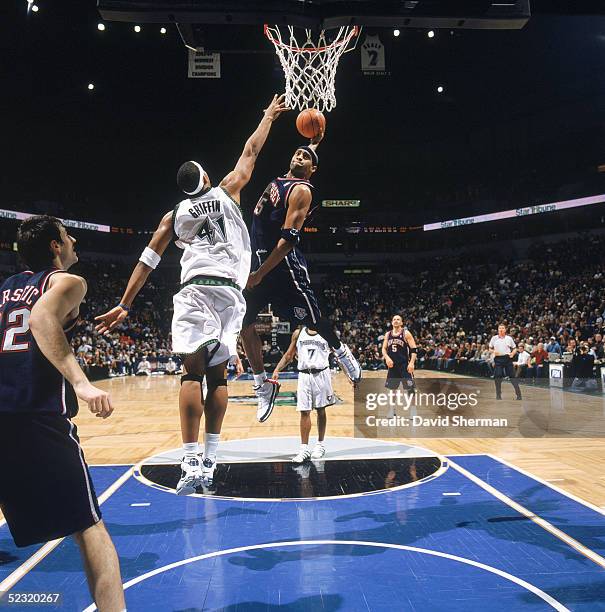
[[552, 302]]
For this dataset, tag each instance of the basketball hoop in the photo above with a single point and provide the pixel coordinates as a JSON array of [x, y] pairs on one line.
[[310, 68]]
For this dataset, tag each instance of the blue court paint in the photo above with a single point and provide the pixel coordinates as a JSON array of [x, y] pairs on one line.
[[12, 557], [577, 520], [256, 578], [473, 525]]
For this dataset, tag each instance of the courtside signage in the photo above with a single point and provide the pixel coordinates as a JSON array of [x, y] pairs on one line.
[[341, 203], [21, 216], [516, 212]]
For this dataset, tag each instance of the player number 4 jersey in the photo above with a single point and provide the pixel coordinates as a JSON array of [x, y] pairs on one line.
[[214, 238]]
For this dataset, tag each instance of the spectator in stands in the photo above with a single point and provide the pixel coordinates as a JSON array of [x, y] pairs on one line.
[[571, 346], [144, 367], [538, 357], [171, 366], [599, 349], [583, 366], [553, 346], [521, 364]]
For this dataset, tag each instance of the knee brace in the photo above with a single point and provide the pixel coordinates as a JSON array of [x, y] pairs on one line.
[[192, 377]]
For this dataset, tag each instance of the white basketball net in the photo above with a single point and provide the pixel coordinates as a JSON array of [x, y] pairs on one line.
[[310, 68]]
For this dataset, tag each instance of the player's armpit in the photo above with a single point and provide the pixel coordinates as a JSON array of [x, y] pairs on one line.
[[61, 299], [299, 203]]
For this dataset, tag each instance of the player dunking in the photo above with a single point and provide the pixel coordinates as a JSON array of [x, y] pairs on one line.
[[209, 308], [46, 491], [279, 272], [399, 352]]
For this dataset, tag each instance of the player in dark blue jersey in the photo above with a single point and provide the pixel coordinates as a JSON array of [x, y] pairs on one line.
[[279, 273], [399, 353], [45, 488]]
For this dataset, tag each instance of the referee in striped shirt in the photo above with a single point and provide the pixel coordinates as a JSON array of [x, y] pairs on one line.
[[503, 348]]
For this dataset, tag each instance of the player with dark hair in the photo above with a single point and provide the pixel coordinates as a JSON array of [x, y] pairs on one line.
[[279, 272], [40, 379], [209, 308], [399, 353]]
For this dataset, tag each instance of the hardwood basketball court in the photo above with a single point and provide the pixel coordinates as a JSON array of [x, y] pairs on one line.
[[146, 422]]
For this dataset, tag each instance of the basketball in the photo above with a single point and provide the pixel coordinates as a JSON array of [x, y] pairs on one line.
[[310, 122]]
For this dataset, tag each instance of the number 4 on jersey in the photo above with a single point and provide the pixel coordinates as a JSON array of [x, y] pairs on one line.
[[213, 230]]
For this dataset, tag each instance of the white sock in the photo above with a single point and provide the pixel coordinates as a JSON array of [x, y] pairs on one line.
[[190, 449], [304, 448], [319, 443], [259, 379], [211, 441]]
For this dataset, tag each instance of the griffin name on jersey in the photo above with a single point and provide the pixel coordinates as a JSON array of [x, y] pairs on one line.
[[214, 238]]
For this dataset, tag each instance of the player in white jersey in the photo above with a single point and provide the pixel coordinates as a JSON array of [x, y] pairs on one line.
[[209, 308], [314, 387]]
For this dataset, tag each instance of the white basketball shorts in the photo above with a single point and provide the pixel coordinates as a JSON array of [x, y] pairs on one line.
[[204, 316], [314, 390]]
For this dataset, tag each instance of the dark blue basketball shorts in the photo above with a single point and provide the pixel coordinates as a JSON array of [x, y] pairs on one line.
[[288, 289]]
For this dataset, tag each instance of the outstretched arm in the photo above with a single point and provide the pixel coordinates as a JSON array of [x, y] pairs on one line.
[[288, 356], [298, 208], [238, 178], [159, 241]]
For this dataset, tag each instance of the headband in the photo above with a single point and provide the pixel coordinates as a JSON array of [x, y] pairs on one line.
[[312, 153], [200, 184]]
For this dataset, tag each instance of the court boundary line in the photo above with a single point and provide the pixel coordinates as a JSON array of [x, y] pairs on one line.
[[538, 520], [20, 572], [549, 599], [544, 482]]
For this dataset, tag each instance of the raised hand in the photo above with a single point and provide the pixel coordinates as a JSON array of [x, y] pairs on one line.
[[318, 137], [110, 319], [277, 107]]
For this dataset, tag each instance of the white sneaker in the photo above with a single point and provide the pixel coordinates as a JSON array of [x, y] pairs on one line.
[[191, 476], [266, 394], [303, 455], [208, 467], [349, 364], [319, 450]]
